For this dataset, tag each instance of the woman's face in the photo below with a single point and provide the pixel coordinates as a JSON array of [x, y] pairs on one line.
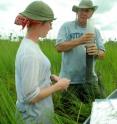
[[45, 28]]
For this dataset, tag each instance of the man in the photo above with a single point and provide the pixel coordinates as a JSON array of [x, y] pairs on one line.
[[71, 41]]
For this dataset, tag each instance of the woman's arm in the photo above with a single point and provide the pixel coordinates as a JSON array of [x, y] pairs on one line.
[[62, 84]]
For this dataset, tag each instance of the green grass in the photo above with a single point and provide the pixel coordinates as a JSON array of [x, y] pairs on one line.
[[107, 68]]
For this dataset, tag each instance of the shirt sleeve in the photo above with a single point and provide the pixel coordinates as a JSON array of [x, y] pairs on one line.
[[99, 41], [30, 72], [62, 34]]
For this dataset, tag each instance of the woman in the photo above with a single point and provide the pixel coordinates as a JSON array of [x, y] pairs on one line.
[[32, 67]]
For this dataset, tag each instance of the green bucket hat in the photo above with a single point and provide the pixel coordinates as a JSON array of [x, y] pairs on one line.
[[38, 10], [84, 4]]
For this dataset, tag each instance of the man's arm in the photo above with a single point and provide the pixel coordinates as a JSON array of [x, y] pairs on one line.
[[100, 45], [66, 46], [101, 54]]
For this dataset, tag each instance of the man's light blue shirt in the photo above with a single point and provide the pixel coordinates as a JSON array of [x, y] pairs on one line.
[[73, 64]]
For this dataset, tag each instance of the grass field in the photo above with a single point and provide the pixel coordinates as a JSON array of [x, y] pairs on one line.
[[107, 68]]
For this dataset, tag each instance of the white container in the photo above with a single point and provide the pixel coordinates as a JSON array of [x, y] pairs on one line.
[[90, 27]]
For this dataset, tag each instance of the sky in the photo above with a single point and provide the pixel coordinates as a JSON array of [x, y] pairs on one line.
[[105, 16]]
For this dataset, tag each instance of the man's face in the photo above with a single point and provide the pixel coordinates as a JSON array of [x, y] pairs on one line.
[[84, 14]]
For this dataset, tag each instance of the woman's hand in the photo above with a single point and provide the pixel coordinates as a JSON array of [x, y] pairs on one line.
[[54, 78], [62, 84]]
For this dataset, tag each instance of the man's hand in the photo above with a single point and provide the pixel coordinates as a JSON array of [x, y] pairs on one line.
[[88, 37], [92, 49]]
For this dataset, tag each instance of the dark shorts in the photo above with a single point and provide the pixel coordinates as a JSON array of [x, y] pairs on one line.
[[87, 92]]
